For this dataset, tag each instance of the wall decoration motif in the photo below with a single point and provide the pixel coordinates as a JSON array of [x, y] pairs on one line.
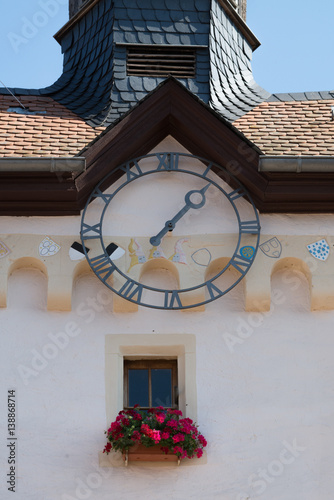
[[4, 250], [114, 251], [157, 253], [76, 252], [179, 254], [48, 247], [319, 249], [247, 251], [136, 253], [272, 248], [202, 257]]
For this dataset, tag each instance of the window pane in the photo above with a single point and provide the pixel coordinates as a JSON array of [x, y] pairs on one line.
[[138, 387], [161, 387]]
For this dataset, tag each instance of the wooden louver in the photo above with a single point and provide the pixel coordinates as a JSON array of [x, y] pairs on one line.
[[161, 61]]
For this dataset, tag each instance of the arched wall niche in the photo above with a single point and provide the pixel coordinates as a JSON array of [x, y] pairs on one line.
[[291, 284], [27, 284], [28, 263], [158, 273], [235, 298], [162, 270], [293, 263], [88, 292], [80, 270]]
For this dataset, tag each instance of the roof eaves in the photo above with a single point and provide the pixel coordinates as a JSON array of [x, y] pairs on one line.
[[301, 96], [296, 163], [38, 164], [240, 23], [81, 13]]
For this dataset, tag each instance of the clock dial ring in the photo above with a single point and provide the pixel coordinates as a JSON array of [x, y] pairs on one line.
[[131, 289]]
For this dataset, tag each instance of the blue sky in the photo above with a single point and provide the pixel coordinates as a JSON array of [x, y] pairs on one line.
[[296, 53]]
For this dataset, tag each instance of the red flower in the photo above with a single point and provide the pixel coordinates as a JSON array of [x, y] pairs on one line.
[[136, 436], [177, 449], [107, 448], [115, 427], [158, 425], [160, 417], [174, 412], [202, 440], [178, 437], [145, 429], [172, 423]]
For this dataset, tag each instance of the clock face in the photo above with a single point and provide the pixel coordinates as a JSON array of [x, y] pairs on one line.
[[171, 213]]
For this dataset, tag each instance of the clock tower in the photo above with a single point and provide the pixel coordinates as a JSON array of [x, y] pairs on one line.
[[116, 52]]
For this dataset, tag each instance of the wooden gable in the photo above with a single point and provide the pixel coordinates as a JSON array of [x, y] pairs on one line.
[[168, 110]]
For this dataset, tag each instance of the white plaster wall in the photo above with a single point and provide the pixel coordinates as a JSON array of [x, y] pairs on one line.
[[273, 386], [264, 389]]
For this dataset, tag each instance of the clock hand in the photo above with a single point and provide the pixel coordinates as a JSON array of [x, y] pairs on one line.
[[170, 224]]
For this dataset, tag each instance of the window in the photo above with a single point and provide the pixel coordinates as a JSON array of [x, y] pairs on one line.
[[178, 349], [150, 383], [126, 352], [155, 60]]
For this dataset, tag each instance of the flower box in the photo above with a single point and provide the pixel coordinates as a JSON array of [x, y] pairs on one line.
[[146, 435], [141, 453]]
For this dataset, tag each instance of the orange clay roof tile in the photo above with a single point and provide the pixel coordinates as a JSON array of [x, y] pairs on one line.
[[277, 128], [291, 127], [57, 132]]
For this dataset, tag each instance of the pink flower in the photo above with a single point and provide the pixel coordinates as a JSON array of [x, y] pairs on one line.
[[156, 436], [180, 434], [145, 429], [177, 449], [172, 423], [178, 437], [160, 417], [174, 412], [202, 440]]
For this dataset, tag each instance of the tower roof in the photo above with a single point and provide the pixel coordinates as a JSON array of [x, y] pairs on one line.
[[97, 85]]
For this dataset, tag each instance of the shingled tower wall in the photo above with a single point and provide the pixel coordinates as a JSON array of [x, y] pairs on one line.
[[74, 6]]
